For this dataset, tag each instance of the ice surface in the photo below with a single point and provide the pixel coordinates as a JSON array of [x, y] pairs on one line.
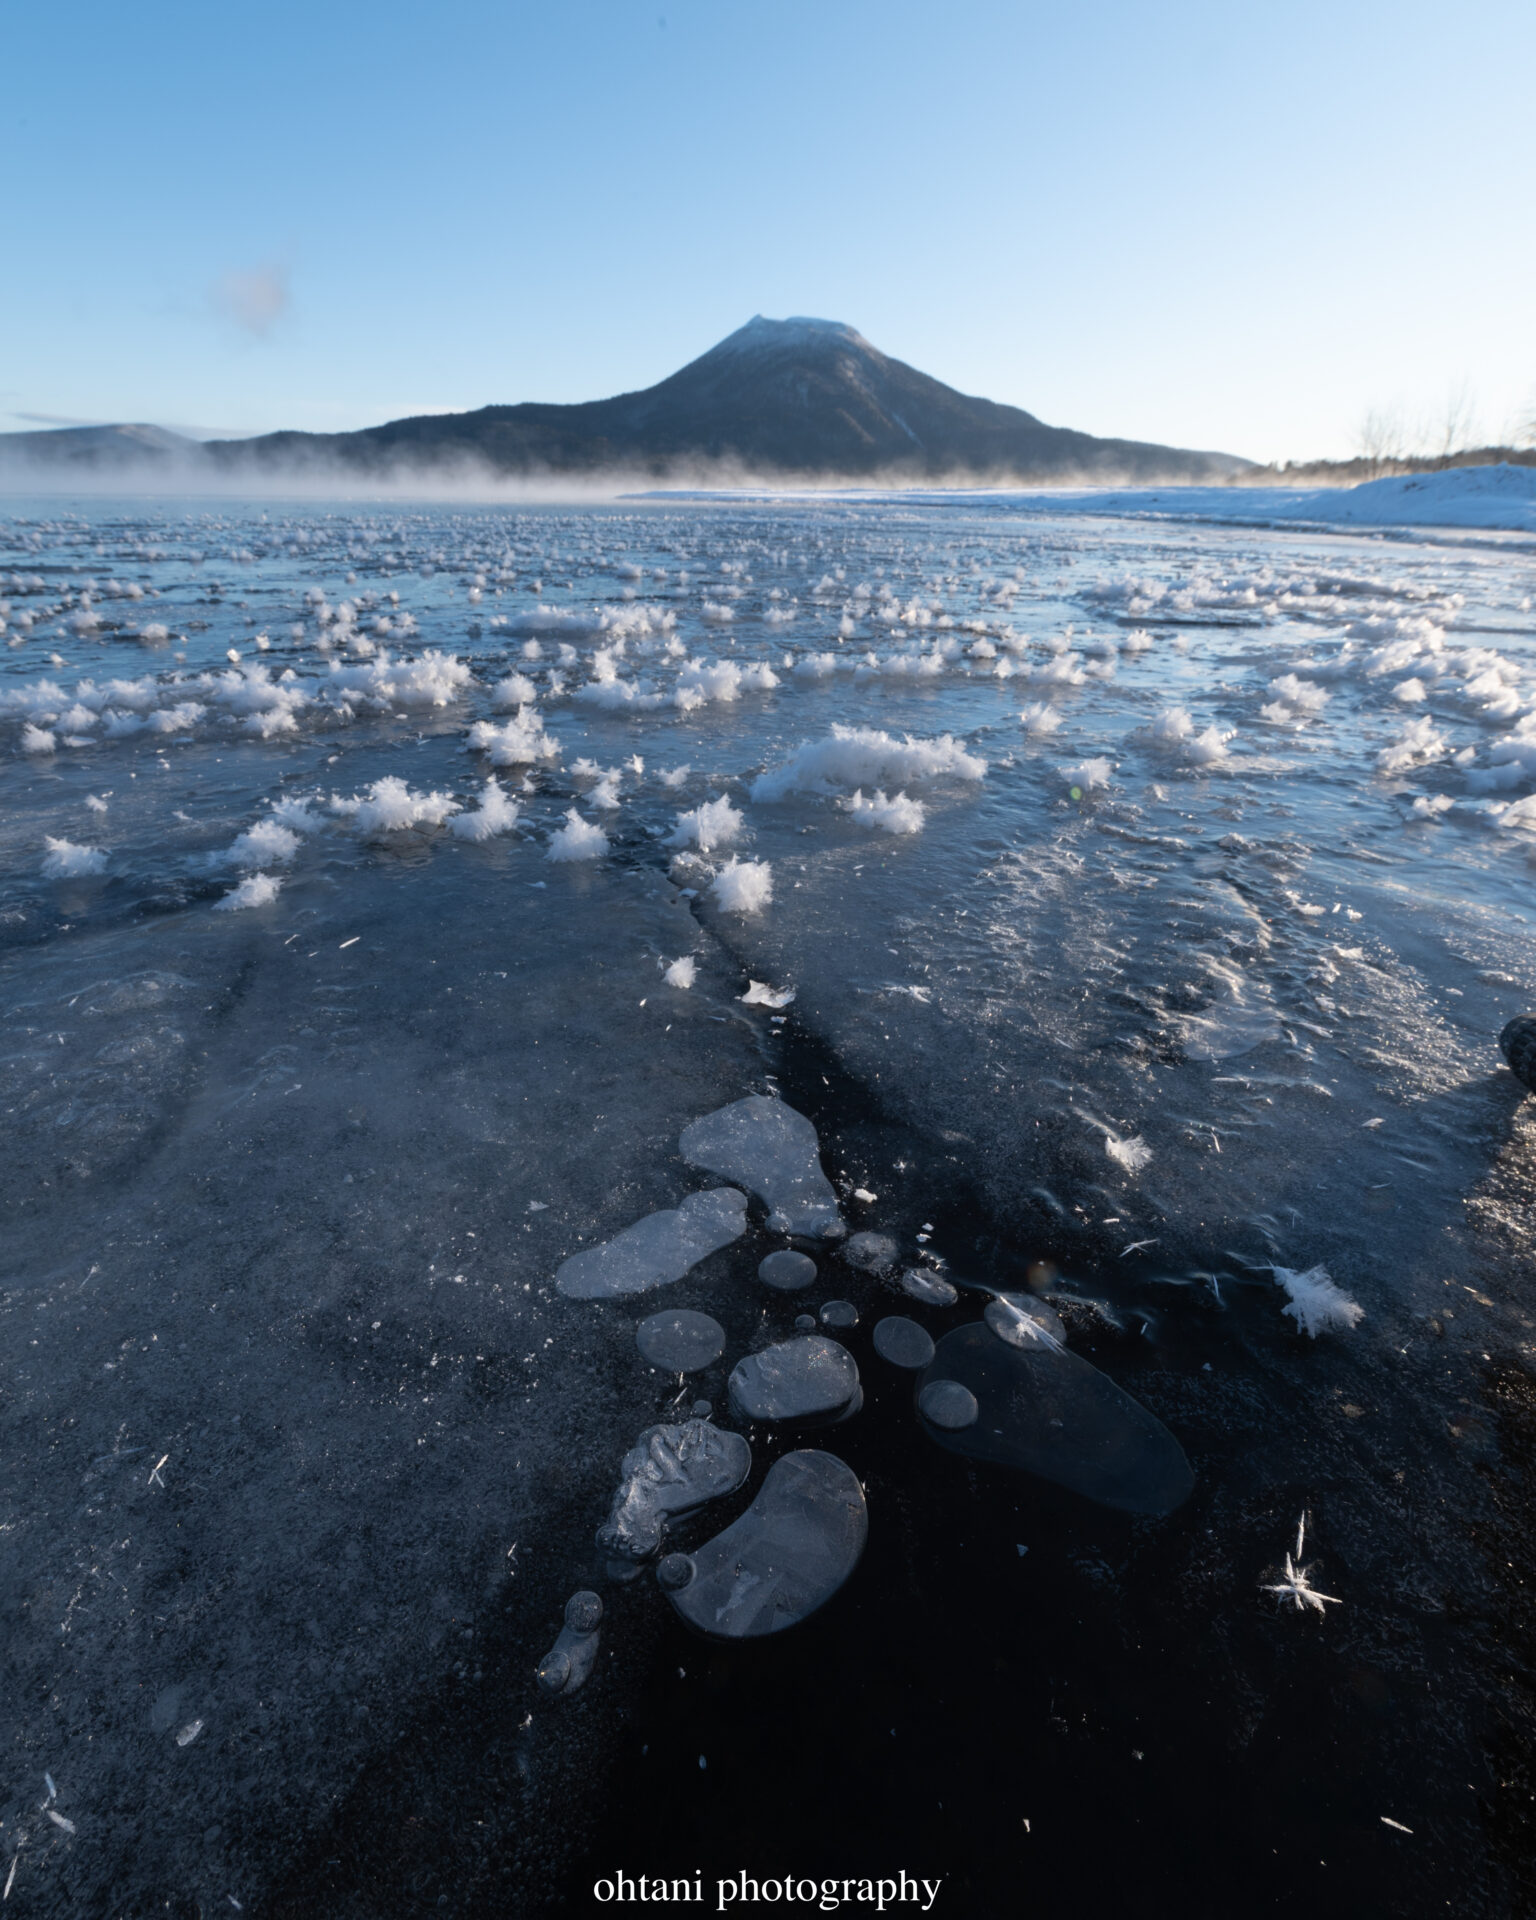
[[774, 1151], [680, 1340], [669, 1473], [1048, 1412], [569, 1662], [469, 1065], [787, 1555], [656, 1250], [903, 1342], [787, 1270], [807, 1378]]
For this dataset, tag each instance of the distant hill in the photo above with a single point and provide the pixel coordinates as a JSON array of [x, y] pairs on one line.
[[779, 399], [98, 449]]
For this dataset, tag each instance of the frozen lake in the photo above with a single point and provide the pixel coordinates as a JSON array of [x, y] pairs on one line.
[[1134, 908]]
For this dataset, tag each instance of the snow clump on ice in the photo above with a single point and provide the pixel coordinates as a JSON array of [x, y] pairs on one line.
[[851, 757], [714, 824], [743, 886], [1316, 1304], [65, 860], [896, 815], [578, 839], [390, 806], [495, 814], [255, 890]]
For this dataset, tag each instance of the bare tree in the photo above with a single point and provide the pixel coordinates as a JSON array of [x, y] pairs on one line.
[[1380, 437], [1456, 428]]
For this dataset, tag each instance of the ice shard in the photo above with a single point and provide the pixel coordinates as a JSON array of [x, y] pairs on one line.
[[787, 1555], [772, 1150]]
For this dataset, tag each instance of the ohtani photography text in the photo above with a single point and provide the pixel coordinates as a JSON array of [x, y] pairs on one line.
[[743, 1890]]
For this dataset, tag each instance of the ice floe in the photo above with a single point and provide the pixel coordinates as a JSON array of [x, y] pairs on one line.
[[774, 1152], [808, 1378], [670, 1472], [787, 1555], [656, 1250]]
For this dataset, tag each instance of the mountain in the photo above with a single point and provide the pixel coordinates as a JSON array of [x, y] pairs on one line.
[[779, 399], [98, 449]]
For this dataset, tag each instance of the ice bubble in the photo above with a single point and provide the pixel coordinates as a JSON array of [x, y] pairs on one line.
[[656, 1250], [948, 1405], [874, 1252], [668, 1473], [922, 1283], [1023, 1321], [1048, 1412], [787, 1270], [773, 1150], [903, 1342], [840, 1314], [807, 1378], [805, 1323], [680, 1341], [569, 1661], [787, 1555]]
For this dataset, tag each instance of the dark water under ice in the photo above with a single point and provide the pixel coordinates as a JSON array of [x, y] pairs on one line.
[[303, 1453]]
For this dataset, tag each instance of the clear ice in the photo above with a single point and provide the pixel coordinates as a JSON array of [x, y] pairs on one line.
[[656, 1250], [807, 1378], [1048, 1412], [774, 1151], [787, 1270], [680, 1340], [787, 1555], [669, 1473], [903, 1342]]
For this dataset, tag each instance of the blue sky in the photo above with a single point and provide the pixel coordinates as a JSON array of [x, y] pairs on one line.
[[1228, 226]]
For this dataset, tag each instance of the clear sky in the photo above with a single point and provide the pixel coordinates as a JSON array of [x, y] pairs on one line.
[[1234, 226]]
